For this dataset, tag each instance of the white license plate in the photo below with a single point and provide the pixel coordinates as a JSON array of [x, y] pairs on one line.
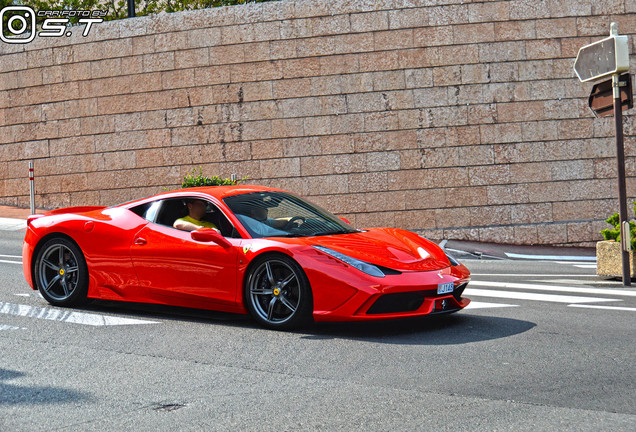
[[445, 288]]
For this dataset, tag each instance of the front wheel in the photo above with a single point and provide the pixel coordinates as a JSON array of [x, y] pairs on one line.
[[61, 275], [277, 293]]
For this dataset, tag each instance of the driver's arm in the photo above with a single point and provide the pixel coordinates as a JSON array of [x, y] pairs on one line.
[[185, 225], [188, 226]]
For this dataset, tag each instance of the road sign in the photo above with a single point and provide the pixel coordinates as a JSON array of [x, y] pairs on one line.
[[603, 58], [606, 57], [601, 100]]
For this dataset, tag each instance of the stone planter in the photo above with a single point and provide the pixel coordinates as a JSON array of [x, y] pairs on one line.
[[608, 259]]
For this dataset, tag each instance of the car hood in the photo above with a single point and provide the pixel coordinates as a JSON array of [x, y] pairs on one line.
[[389, 247]]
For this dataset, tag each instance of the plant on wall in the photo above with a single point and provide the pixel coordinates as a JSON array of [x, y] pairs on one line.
[[615, 232], [195, 179]]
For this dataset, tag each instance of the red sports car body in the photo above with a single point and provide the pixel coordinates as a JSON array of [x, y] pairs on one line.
[[275, 255]]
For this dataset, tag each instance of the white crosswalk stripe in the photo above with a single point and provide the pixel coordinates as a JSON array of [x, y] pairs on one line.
[[67, 316], [550, 293], [485, 305], [534, 296], [615, 308], [556, 288], [11, 259]]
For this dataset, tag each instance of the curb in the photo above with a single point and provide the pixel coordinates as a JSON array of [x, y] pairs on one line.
[[494, 251], [10, 224]]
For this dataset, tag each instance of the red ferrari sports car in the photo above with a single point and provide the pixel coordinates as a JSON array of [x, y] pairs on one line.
[[272, 254]]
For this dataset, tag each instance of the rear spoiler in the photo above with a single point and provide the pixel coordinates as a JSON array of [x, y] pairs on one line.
[[32, 218], [79, 209]]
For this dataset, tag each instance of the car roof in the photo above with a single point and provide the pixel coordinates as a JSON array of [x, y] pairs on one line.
[[218, 192]]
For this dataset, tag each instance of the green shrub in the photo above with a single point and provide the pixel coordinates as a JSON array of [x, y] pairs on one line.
[[615, 233], [197, 180]]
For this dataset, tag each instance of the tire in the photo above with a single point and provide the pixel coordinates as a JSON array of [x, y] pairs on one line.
[[60, 273], [277, 293]]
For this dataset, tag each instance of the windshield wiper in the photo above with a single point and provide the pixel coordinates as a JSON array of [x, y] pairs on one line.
[[321, 233]]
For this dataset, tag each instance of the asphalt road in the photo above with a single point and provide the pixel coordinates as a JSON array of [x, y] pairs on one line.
[[534, 352]]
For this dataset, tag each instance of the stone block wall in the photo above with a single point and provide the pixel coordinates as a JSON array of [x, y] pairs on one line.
[[455, 119]]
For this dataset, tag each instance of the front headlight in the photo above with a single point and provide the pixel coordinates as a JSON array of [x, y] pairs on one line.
[[364, 267]]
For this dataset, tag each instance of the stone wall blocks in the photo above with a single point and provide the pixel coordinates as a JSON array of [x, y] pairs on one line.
[[456, 119]]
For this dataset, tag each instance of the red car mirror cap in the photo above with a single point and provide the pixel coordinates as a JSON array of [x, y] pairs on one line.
[[345, 220], [209, 235]]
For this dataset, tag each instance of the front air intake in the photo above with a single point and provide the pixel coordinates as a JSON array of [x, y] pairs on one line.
[[398, 302]]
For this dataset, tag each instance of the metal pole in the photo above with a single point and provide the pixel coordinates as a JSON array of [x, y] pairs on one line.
[[32, 187], [131, 8], [622, 191]]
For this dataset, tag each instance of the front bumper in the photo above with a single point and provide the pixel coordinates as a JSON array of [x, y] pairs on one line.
[[410, 294]]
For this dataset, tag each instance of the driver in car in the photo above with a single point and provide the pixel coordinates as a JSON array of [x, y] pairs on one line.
[[196, 211], [260, 214]]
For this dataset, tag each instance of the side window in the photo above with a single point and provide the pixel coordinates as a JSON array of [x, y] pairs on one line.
[[174, 208], [147, 210], [171, 210], [151, 213]]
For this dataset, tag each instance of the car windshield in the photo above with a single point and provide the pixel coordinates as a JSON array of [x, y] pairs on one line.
[[281, 214]]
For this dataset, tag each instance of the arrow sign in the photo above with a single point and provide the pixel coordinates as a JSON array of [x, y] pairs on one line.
[[603, 58]]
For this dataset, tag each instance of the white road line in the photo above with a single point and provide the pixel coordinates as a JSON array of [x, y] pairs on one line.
[[578, 282], [592, 266], [551, 257], [10, 262], [579, 290], [532, 275], [67, 316], [8, 327], [11, 256], [534, 296], [485, 305], [617, 308], [35, 294]]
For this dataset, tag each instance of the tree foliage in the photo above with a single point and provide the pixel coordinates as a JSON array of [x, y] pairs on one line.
[[615, 232], [117, 9]]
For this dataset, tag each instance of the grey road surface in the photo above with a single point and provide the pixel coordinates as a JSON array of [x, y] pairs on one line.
[[546, 345]]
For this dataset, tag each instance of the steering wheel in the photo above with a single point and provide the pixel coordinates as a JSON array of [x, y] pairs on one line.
[[290, 222]]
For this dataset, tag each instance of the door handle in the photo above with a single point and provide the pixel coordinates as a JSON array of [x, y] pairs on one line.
[[140, 241]]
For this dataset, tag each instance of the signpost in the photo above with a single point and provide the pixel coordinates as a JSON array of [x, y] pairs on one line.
[[601, 100], [610, 57], [31, 187]]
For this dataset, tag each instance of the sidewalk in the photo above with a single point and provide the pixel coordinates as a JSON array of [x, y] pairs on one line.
[[9, 212], [14, 218]]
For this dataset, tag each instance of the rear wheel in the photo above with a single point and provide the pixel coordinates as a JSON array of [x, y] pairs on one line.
[[277, 293], [61, 275]]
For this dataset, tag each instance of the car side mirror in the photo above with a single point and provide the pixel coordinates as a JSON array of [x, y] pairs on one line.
[[210, 235], [345, 221]]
